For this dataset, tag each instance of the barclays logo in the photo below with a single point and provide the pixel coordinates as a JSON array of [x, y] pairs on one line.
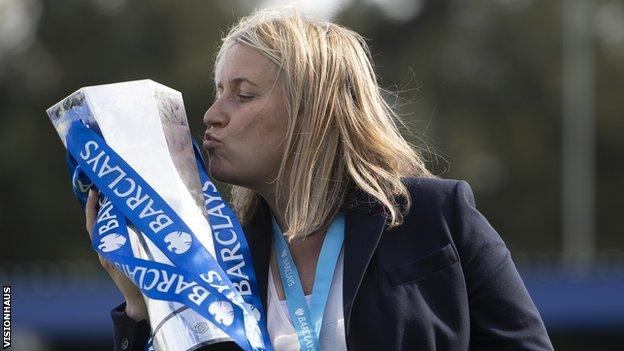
[[82, 187], [299, 312], [111, 242], [179, 242], [222, 311], [254, 310], [253, 333]]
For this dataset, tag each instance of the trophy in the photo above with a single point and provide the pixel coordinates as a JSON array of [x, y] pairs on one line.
[[145, 123]]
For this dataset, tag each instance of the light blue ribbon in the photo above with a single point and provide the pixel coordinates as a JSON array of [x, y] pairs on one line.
[[308, 320]]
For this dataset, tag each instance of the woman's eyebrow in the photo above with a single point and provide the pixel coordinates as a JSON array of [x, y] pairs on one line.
[[243, 79], [236, 81]]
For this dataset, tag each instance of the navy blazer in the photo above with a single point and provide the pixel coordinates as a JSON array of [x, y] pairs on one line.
[[443, 280]]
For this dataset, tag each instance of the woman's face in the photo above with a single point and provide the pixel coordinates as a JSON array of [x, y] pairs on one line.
[[246, 125]]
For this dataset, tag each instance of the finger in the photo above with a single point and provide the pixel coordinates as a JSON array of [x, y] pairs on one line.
[[105, 263], [91, 209]]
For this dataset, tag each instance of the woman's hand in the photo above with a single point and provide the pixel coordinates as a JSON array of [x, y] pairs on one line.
[[135, 305]]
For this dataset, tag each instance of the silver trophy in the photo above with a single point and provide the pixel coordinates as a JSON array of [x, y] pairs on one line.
[[145, 123]]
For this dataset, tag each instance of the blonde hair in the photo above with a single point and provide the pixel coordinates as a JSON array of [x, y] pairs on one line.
[[340, 130]]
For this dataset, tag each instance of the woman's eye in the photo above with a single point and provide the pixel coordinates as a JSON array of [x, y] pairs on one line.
[[243, 97]]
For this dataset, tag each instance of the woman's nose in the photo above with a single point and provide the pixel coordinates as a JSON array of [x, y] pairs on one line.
[[215, 116]]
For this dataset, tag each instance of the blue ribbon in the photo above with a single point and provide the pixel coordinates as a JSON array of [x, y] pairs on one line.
[[195, 279], [81, 184], [308, 320], [231, 248]]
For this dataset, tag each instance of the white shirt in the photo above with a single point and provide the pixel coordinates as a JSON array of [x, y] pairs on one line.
[[281, 330]]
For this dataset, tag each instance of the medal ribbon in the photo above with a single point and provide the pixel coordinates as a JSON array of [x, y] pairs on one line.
[[308, 320]]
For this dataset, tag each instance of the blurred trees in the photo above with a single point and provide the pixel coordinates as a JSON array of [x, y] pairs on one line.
[[479, 84]]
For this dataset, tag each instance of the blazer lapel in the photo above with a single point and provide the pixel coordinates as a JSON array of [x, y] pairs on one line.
[[363, 229]]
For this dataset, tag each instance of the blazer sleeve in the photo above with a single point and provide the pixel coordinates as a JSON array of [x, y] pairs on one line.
[[129, 335], [502, 314]]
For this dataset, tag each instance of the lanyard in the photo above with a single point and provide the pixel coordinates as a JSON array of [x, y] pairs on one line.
[[306, 320]]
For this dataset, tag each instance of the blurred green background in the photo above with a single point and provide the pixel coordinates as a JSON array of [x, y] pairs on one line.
[[501, 93]]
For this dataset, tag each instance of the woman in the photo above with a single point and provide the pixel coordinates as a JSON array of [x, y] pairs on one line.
[[300, 129]]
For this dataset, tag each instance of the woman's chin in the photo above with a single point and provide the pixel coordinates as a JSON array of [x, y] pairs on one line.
[[215, 170], [219, 174], [225, 173]]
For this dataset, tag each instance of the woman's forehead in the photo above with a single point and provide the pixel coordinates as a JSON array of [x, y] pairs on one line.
[[241, 63]]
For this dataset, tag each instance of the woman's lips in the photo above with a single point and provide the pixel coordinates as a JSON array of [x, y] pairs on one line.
[[210, 141]]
